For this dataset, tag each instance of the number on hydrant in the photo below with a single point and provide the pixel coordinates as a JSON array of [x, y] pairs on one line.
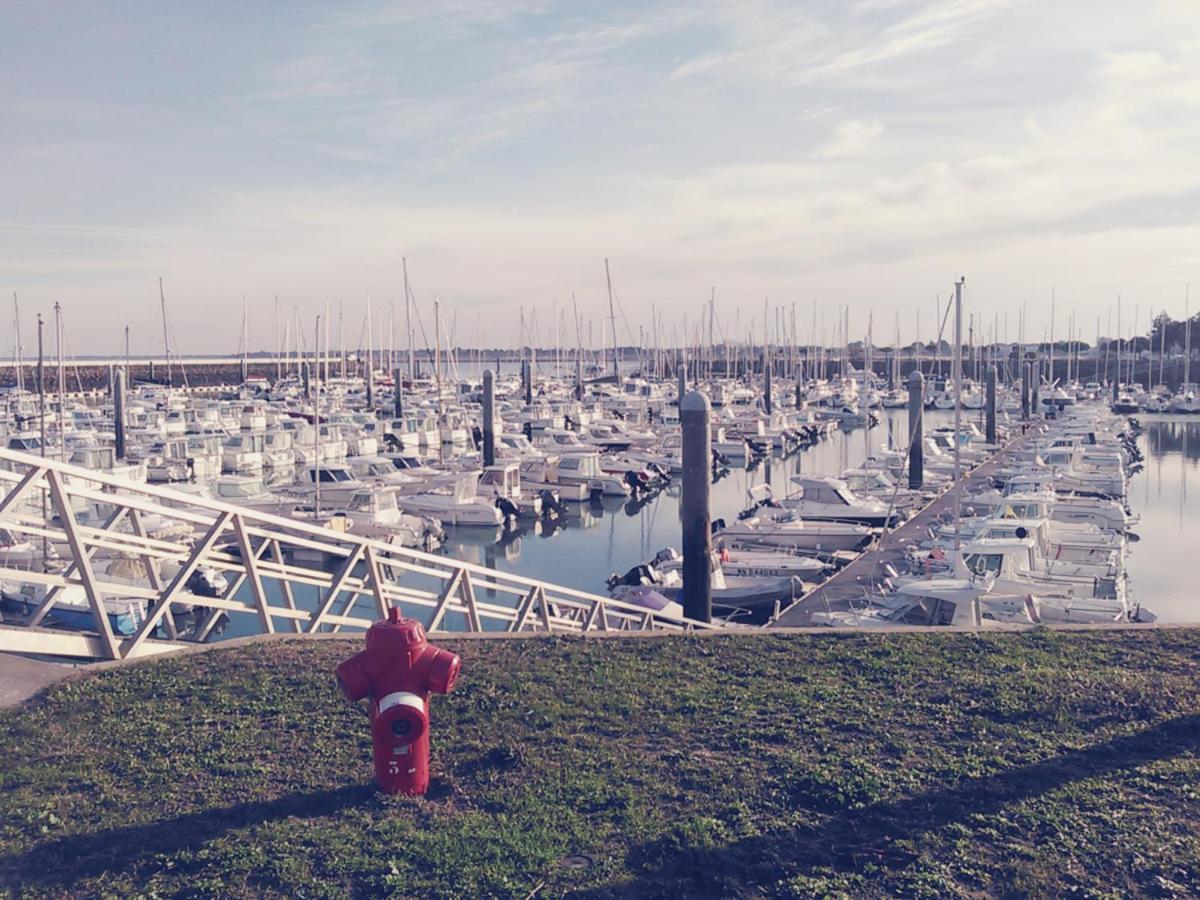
[[398, 670]]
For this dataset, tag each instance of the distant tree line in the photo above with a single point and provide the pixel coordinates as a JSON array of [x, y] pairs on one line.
[[1176, 332]]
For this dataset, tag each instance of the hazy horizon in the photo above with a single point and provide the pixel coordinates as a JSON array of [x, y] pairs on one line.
[[817, 155]]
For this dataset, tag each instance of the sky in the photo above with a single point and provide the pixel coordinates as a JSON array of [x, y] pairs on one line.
[[804, 156]]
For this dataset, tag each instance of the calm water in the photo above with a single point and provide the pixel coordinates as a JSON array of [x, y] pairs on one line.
[[1162, 564], [583, 549], [598, 539], [617, 535], [586, 550]]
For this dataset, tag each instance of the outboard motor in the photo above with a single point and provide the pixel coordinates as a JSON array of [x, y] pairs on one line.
[[509, 509], [718, 525], [634, 481], [432, 532], [640, 575], [667, 554], [206, 582]]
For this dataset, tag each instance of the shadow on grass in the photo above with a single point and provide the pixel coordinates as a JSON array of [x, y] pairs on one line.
[[852, 840], [74, 857]]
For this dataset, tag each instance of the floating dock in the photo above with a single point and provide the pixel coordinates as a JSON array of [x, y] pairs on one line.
[[849, 586]]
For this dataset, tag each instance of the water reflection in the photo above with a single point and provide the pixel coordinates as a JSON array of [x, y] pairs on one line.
[[1169, 519], [594, 540]]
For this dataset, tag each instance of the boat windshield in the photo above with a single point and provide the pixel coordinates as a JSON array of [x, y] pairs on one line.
[[240, 489], [984, 564]]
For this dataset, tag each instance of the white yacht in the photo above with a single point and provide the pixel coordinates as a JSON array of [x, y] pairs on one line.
[[791, 532], [455, 504], [824, 499]]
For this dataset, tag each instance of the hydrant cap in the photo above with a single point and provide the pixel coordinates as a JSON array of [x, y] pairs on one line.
[[395, 634]]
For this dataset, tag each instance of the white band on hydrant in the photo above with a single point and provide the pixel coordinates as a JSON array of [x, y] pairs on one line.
[[401, 698]]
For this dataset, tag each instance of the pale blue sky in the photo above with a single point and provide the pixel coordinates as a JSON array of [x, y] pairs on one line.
[[829, 152]]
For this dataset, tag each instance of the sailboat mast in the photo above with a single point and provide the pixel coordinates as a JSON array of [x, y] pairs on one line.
[[162, 302], [412, 371], [437, 350], [316, 375], [370, 369], [1187, 334], [245, 339], [612, 314], [278, 346], [17, 343], [62, 390]]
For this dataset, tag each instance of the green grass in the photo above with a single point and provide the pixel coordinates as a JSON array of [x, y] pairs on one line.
[[916, 765]]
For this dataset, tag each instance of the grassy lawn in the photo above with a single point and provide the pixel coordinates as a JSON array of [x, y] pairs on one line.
[[914, 765]]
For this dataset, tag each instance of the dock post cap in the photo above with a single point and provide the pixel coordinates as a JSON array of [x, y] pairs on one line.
[[915, 377], [695, 401]]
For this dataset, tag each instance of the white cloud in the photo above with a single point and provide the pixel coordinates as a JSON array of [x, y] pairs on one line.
[[739, 143], [851, 137]]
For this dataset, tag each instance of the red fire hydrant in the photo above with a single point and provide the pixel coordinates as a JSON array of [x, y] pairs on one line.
[[398, 670]]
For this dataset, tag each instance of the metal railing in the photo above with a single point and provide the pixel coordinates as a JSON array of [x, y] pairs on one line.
[[264, 563]]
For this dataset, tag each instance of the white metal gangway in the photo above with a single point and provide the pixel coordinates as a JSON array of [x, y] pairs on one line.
[[277, 573]]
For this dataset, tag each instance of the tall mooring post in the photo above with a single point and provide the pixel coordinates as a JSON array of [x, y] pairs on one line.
[[1035, 383], [767, 386], [694, 412], [578, 377], [119, 411], [799, 394], [397, 394], [991, 404], [1026, 375], [916, 429], [370, 385], [527, 371], [306, 379], [489, 418]]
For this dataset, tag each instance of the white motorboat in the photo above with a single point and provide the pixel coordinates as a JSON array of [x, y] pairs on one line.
[[455, 504], [242, 453], [503, 482], [730, 593], [791, 532], [820, 498]]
